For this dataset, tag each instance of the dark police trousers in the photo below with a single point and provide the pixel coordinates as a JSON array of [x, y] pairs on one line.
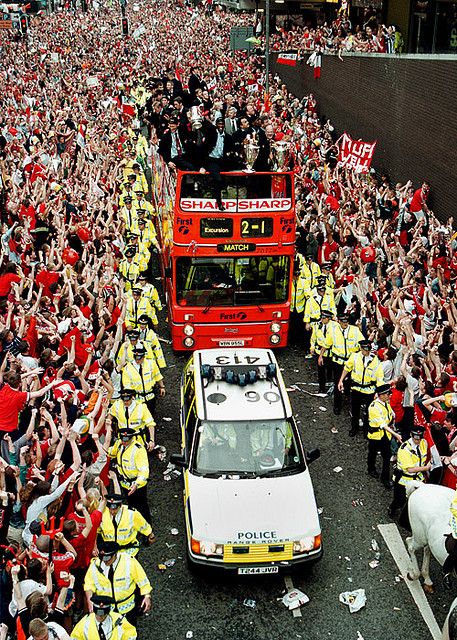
[[383, 446], [359, 400]]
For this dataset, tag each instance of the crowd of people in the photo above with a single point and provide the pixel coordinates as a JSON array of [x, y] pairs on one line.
[[341, 36], [84, 112]]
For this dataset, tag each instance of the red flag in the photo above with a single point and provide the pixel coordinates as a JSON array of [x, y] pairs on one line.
[[128, 109], [288, 57]]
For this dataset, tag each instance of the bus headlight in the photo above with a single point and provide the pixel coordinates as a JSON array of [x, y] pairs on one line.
[[275, 338], [275, 327], [188, 342], [307, 544], [206, 548], [188, 330]]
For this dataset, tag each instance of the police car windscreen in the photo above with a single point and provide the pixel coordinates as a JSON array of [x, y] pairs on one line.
[[259, 448]]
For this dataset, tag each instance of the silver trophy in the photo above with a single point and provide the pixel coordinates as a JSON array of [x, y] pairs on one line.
[[251, 151], [281, 155], [196, 118]]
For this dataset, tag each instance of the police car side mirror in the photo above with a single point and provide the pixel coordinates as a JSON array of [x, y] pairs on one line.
[[167, 272], [312, 454], [178, 460]]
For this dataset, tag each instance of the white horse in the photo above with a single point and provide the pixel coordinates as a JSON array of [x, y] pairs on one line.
[[429, 516]]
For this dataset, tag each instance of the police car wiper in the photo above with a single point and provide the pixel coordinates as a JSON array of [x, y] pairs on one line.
[[243, 474]]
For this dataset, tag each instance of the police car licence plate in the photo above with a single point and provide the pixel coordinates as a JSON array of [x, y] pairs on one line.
[[231, 343], [252, 570]]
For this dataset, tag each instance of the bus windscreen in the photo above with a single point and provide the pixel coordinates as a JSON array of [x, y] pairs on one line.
[[232, 281]]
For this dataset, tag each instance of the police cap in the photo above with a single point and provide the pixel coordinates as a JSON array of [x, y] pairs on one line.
[[383, 388]]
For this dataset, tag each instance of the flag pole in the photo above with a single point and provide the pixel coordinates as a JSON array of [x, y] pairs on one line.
[[267, 46]]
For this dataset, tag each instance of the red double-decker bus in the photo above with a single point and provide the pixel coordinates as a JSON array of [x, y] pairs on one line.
[[228, 273]]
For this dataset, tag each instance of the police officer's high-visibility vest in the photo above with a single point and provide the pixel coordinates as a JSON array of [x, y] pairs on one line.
[[366, 372], [87, 628], [315, 304], [310, 274], [129, 271], [380, 415], [343, 342], [132, 463], [151, 293], [319, 336], [141, 380], [151, 341], [128, 575], [124, 528], [297, 302], [127, 352], [137, 416], [137, 308], [142, 256], [129, 217], [409, 455], [147, 235]]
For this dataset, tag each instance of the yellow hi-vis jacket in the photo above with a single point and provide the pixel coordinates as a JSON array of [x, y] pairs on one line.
[[316, 304], [87, 628], [366, 372], [380, 415], [143, 382], [310, 274], [128, 575], [124, 528], [297, 301], [319, 336], [137, 416], [132, 463], [151, 341], [343, 343], [137, 308], [408, 455]]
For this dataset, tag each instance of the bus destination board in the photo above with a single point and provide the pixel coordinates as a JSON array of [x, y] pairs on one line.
[[216, 228]]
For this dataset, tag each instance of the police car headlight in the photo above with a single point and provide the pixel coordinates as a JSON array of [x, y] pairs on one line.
[[307, 544], [188, 330], [275, 338], [207, 548], [275, 327], [188, 342]]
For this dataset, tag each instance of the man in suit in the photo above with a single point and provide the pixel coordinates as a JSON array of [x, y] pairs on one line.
[[238, 140], [195, 82], [173, 146], [231, 122], [218, 146]]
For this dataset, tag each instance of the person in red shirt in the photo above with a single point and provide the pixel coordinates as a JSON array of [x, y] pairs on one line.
[[7, 277], [82, 348], [13, 401], [62, 559], [418, 204]]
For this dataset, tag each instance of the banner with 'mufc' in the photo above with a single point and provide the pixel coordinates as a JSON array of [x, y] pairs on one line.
[[356, 154]]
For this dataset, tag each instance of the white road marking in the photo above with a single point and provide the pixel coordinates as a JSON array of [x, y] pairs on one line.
[[290, 585], [397, 548]]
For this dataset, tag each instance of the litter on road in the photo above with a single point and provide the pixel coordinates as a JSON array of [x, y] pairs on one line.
[[355, 600], [251, 604], [338, 469], [294, 599], [374, 563], [174, 532]]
